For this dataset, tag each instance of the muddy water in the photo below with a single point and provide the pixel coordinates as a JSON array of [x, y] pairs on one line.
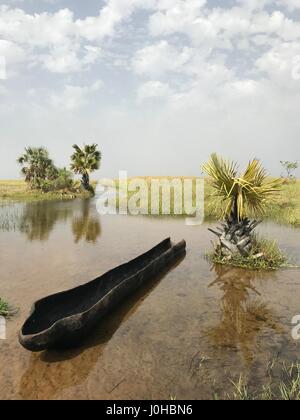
[[184, 335]]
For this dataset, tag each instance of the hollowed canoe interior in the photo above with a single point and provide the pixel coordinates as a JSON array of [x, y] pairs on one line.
[[53, 308]]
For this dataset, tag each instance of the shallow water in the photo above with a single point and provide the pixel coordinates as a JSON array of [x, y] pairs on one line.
[[184, 335]]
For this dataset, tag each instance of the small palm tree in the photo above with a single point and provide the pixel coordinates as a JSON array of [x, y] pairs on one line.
[[37, 166], [84, 161], [241, 196]]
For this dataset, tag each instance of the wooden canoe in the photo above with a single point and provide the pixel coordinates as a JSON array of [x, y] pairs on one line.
[[63, 320]]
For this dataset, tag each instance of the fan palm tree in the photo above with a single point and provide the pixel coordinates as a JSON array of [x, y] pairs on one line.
[[242, 197], [37, 166], [84, 161]]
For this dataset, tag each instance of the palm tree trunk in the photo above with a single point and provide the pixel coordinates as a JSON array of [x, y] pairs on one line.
[[235, 236], [85, 181]]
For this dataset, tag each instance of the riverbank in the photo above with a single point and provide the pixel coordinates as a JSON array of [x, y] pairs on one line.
[[16, 191], [285, 209]]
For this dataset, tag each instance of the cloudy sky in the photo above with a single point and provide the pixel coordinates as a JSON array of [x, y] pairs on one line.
[[158, 84]]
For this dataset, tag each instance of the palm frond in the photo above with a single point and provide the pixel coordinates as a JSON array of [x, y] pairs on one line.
[[248, 193]]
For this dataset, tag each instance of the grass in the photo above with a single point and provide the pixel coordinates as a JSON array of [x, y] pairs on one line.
[[284, 210], [282, 386], [5, 309], [271, 258], [16, 191]]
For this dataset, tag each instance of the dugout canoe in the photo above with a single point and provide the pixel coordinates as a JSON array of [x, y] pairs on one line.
[[65, 319]]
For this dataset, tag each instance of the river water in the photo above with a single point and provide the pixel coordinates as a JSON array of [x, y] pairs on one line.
[[185, 336]]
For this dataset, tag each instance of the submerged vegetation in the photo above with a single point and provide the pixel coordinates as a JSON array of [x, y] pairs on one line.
[[284, 384], [5, 310]]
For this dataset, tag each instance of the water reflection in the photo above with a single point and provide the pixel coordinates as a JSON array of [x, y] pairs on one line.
[[38, 220], [244, 314], [85, 226], [60, 370]]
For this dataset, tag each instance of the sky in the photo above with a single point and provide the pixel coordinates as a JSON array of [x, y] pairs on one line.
[[158, 84]]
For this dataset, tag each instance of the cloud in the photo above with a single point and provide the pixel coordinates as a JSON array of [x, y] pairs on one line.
[[73, 97], [291, 5], [226, 73], [53, 40], [153, 89], [70, 58], [159, 58], [278, 65], [12, 52]]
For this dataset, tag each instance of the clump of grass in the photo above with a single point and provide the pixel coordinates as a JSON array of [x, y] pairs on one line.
[[6, 310], [286, 387], [265, 255]]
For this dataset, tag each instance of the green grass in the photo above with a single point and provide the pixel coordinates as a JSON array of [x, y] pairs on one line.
[[283, 385], [5, 309], [284, 210], [272, 258], [16, 191]]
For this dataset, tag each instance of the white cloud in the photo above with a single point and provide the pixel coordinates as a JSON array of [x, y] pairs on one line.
[[278, 64], [112, 14], [53, 40], [290, 4], [156, 59], [219, 26], [37, 30], [223, 74], [73, 97], [153, 89], [70, 58]]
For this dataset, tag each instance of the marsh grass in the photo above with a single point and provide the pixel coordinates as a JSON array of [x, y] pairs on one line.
[[9, 221], [5, 310], [18, 191], [285, 209], [284, 384], [271, 257]]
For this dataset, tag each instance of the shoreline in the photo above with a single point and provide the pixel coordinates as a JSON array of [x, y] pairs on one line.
[[16, 191], [285, 210]]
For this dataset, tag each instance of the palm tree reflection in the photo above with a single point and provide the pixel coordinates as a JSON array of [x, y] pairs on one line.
[[38, 219], [86, 227], [243, 313]]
